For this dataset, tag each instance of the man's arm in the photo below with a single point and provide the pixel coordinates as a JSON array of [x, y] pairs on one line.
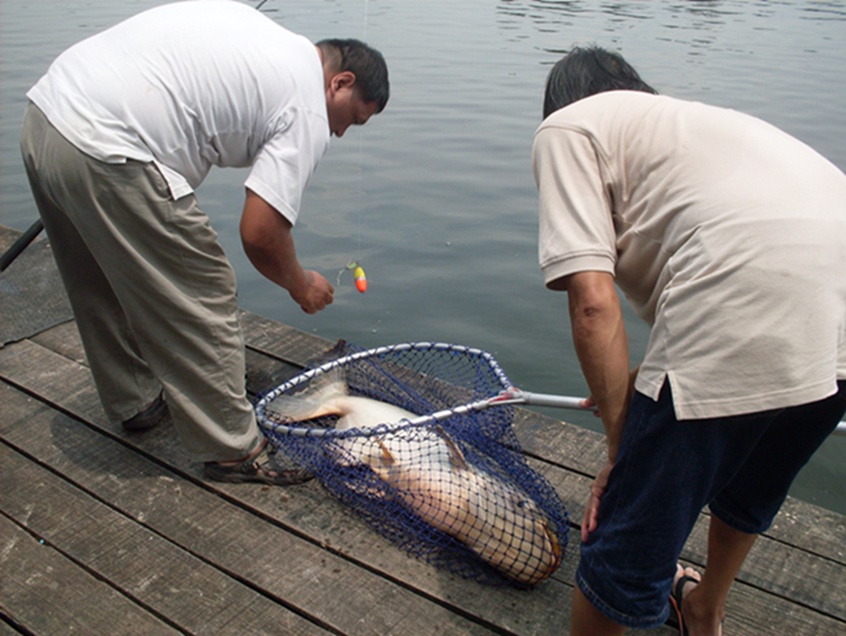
[[599, 336], [269, 244]]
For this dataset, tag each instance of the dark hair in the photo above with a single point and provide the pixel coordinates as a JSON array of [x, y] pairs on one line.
[[366, 63], [588, 71]]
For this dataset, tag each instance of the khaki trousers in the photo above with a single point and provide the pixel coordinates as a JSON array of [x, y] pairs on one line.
[[153, 294]]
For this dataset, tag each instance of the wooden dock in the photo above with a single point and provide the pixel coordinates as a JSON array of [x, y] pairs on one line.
[[106, 532]]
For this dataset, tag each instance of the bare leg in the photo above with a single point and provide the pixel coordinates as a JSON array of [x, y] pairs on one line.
[[704, 605], [586, 620]]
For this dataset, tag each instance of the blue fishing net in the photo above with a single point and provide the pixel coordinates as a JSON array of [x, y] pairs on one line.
[[446, 481]]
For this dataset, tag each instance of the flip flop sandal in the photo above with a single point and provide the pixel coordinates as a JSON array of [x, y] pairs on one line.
[[258, 468], [676, 600]]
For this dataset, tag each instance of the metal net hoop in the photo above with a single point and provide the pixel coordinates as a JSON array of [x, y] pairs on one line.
[[465, 373]]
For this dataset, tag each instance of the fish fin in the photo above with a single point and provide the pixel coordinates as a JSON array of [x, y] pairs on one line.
[[387, 458], [456, 457], [379, 457], [319, 398]]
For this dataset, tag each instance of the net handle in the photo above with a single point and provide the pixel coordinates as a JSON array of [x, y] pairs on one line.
[[510, 395], [516, 396], [506, 397]]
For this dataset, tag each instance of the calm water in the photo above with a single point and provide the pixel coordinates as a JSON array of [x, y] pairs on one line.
[[435, 196]]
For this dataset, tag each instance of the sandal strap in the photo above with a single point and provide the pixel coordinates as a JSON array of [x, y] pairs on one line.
[[256, 469]]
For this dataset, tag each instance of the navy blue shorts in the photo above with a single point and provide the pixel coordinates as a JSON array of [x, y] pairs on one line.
[[667, 471]]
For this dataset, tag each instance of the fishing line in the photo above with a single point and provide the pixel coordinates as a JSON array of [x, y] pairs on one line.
[[353, 265], [357, 214]]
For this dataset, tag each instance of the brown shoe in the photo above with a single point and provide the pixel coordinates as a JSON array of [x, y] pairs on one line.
[[149, 417], [257, 468]]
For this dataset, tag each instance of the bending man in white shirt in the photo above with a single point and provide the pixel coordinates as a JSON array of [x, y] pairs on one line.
[[119, 132]]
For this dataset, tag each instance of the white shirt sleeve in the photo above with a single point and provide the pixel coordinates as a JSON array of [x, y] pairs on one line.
[[285, 163]]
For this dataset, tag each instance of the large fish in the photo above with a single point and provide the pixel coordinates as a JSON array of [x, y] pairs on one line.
[[429, 472]]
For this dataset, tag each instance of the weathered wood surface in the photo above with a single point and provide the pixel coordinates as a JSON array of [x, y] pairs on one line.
[[107, 532]]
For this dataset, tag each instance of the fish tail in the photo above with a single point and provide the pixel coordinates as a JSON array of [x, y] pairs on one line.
[[319, 398]]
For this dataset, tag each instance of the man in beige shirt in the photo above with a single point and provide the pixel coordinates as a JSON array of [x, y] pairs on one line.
[[728, 237]]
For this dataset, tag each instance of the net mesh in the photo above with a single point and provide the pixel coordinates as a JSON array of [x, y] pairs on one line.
[[451, 487]]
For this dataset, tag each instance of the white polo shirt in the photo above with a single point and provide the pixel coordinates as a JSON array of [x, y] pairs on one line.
[[193, 85], [726, 234]]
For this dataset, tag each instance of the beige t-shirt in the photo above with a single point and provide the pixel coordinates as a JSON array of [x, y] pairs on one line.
[[727, 235]]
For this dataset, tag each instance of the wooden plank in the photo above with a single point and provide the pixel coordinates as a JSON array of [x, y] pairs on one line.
[[195, 597], [310, 512], [804, 525], [268, 334], [755, 604], [63, 339], [320, 584], [34, 298], [586, 447], [800, 524], [285, 342], [265, 373], [308, 515], [810, 527], [47, 593], [762, 569], [7, 237], [765, 605], [6, 623]]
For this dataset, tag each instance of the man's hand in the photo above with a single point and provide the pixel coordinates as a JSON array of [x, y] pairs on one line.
[[269, 244], [597, 489], [590, 403], [317, 293]]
